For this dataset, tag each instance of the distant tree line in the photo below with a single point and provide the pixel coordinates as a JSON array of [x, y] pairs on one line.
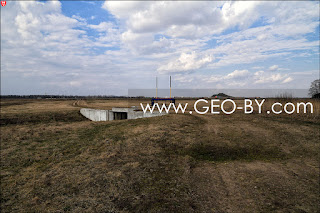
[[82, 97], [61, 97]]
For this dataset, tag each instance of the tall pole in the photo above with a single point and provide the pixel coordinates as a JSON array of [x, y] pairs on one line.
[[170, 86], [156, 87]]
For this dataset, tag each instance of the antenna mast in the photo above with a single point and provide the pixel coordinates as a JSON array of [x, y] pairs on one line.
[[156, 87], [170, 86]]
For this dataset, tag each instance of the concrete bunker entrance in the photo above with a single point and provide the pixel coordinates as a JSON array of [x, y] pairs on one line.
[[117, 113], [120, 115]]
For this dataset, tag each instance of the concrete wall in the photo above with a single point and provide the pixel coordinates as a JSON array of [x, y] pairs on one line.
[[122, 109], [95, 114], [111, 115], [108, 115]]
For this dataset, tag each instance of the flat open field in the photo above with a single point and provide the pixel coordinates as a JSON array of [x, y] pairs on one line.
[[55, 160]]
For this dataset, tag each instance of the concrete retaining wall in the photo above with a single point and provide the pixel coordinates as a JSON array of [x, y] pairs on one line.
[[108, 115], [95, 114]]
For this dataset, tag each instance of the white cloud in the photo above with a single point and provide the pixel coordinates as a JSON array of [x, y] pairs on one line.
[[237, 74], [183, 78], [244, 78], [102, 27], [257, 68], [186, 62], [262, 77], [237, 77], [146, 17], [75, 83], [123, 9], [273, 67], [79, 18], [287, 80]]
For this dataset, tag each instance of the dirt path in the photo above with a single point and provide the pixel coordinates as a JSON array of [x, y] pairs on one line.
[[80, 103]]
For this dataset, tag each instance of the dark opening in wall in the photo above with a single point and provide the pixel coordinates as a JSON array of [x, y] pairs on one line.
[[120, 115]]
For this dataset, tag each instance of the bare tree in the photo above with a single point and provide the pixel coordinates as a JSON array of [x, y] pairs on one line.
[[314, 88]]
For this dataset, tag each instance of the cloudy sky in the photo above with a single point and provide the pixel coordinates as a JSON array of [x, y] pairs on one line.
[[105, 48]]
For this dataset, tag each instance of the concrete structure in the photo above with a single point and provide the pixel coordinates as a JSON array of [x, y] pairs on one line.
[[116, 114]]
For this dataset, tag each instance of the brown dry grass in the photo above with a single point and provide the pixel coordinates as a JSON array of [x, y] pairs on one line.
[[54, 160]]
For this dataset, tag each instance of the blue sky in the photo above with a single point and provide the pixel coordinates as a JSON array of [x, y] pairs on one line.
[[106, 48]]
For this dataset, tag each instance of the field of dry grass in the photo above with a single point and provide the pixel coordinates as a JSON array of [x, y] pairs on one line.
[[54, 160]]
